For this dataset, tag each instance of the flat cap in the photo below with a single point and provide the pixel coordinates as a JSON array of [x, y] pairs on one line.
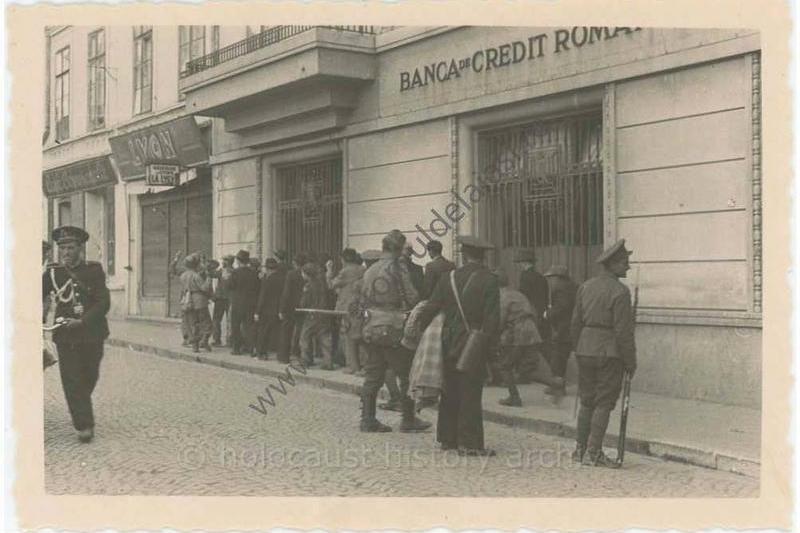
[[523, 254], [613, 251], [64, 234], [371, 255], [474, 242], [557, 270]]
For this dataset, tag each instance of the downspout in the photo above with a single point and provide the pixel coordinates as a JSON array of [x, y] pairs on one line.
[[46, 134]]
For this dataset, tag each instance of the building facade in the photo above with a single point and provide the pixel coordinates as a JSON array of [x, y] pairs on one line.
[[560, 139]]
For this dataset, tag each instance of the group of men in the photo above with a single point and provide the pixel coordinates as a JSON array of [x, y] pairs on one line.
[[308, 308]]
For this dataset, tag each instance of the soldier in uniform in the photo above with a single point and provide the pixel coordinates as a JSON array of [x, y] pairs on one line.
[[460, 424], [82, 302], [602, 333], [387, 290]]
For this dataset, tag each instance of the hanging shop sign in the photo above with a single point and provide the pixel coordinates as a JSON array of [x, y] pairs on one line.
[[177, 142], [82, 176], [508, 54], [162, 175]]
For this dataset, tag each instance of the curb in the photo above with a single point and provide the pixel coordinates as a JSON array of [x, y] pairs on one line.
[[663, 450]]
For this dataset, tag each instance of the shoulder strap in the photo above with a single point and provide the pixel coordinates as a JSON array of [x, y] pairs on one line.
[[458, 297]]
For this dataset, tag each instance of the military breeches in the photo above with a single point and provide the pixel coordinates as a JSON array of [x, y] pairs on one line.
[[379, 360], [79, 364], [599, 387], [200, 326]]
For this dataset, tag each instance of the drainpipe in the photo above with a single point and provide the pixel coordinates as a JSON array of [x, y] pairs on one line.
[[48, 44]]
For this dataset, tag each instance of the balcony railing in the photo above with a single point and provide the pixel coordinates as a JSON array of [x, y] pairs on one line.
[[269, 36]]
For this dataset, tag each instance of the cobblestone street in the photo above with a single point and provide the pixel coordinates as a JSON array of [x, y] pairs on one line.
[[172, 427]]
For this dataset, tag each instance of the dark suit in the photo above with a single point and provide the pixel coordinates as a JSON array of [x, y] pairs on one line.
[[460, 413], [80, 348], [433, 271], [269, 300], [243, 287], [534, 286], [559, 315], [290, 327], [417, 275]]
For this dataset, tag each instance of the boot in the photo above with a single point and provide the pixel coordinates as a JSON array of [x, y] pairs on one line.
[[513, 399], [370, 424], [410, 423], [584, 426], [595, 457]]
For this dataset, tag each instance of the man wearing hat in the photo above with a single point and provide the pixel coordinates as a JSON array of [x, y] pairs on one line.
[[557, 319], [291, 321], [269, 300], [243, 287], [602, 333], [222, 298], [387, 294], [82, 302], [460, 424]]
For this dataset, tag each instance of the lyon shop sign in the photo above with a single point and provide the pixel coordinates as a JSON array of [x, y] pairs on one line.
[[509, 54]]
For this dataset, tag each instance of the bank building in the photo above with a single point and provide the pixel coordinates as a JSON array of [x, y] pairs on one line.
[[164, 139]]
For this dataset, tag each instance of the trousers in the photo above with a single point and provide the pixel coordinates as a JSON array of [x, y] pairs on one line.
[[379, 359], [221, 309], [241, 330], [460, 422], [316, 333], [79, 364], [355, 353], [558, 356], [599, 387], [269, 331], [200, 326]]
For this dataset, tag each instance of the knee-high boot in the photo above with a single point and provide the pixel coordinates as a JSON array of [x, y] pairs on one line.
[[370, 424]]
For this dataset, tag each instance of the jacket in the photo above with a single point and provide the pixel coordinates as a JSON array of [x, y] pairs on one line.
[[198, 288], [89, 283], [244, 288], [269, 295], [562, 302], [602, 321], [517, 324], [417, 275], [534, 286], [314, 296], [433, 271], [387, 285], [223, 277], [481, 302], [345, 285], [292, 291]]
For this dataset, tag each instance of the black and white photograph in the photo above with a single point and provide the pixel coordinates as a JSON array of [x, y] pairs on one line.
[[444, 261]]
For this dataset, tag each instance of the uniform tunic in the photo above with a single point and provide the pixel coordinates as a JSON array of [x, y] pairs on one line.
[[80, 348]]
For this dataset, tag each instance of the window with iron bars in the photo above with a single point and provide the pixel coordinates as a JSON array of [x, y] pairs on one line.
[[61, 99], [542, 183], [142, 69], [97, 80]]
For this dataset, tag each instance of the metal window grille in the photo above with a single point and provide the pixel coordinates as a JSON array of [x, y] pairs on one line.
[[541, 187], [310, 207]]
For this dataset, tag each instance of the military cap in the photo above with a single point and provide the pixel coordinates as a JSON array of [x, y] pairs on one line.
[[271, 263], [371, 255], [557, 270], [523, 255], [243, 256], [613, 251], [66, 234], [474, 242]]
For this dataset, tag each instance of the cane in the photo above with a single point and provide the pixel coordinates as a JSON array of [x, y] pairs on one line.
[[623, 418]]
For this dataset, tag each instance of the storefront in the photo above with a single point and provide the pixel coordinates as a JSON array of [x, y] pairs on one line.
[[169, 191], [559, 139]]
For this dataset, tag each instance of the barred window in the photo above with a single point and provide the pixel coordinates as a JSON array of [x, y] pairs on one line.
[[97, 80]]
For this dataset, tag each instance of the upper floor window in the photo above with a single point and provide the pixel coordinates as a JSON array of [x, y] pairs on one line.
[[62, 94], [142, 69], [97, 80], [192, 40]]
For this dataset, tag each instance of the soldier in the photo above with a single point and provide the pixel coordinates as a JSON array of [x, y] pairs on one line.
[[602, 333], [460, 424], [557, 319], [82, 302], [387, 294], [244, 287], [197, 291]]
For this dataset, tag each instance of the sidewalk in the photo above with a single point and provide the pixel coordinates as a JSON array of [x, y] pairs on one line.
[[700, 433]]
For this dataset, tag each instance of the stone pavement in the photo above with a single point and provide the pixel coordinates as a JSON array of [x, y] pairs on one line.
[[700, 433], [172, 427]]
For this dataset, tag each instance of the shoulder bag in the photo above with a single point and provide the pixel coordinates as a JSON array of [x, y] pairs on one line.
[[477, 343]]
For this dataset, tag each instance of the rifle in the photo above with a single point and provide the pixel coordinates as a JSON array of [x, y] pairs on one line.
[[321, 312], [626, 389]]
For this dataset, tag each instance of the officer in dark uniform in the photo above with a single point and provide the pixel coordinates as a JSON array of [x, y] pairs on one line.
[[460, 424], [602, 333], [82, 302]]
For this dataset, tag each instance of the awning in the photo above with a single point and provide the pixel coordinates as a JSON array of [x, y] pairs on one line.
[[82, 176], [177, 142]]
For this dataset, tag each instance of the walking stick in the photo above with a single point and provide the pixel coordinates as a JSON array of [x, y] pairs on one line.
[[626, 390]]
